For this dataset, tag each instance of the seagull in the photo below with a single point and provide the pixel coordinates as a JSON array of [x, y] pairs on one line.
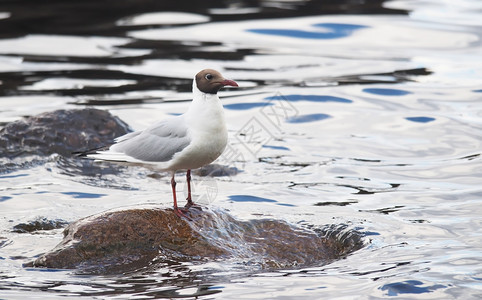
[[184, 142]]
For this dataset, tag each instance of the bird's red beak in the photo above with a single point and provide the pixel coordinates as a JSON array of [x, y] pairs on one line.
[[229, 82]]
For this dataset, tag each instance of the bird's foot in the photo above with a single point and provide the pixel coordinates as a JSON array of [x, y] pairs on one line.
[[190, 204], [181, 213]]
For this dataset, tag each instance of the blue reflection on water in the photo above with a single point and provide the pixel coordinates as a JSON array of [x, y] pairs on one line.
[[307, 118], [420, 119], [14, 176], [290, 97], [312, 98], [276, 147], [47, 270], [286, 204], [249, 198], [386, 92], [80, 195], [332, 31], [370, 233], [5, 198], [245, 106], [409, 287]]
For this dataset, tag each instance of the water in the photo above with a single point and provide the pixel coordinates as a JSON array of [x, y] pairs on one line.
[[366, 114]]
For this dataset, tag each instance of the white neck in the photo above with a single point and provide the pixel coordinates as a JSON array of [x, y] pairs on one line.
[[205, 111], [197, 94]]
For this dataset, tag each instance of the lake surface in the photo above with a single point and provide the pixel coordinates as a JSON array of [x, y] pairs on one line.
[[362, 114]]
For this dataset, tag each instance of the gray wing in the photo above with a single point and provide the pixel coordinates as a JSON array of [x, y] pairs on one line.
[[157, 143]]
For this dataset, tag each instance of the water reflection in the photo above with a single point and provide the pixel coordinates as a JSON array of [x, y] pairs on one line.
[[414, 193], [245, 106], [276, 147], [82, 195], [4, 198], [386, 210], [162, 18], [386, 92], [307, 118], [420, 119], [410, 287], [256, 199], [311, 98], [328, 31], [172, 281]]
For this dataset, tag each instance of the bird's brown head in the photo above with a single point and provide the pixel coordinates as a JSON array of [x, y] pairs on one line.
[[210, 81]]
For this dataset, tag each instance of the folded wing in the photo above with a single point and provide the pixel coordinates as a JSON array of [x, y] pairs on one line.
[[158, 143]]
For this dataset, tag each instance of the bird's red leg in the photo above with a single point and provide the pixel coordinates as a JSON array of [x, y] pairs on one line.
[[173, 185], [189, 198], [177, 211]]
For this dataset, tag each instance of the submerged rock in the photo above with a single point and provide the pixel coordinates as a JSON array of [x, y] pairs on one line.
[[118, 241], [216, 170], [60, 131], [39, 224]]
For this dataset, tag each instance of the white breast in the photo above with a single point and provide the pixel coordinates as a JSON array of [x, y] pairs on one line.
[[208, 132]]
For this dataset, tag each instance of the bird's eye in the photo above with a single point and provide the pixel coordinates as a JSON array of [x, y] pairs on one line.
[[208, 76]]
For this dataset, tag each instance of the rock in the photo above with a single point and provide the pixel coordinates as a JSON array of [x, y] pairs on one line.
[[39, 224], [119, 241], [60, 131], [216, 170]]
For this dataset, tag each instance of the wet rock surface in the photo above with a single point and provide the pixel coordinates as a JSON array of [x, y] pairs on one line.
[[126, 240], [60, 131], [39, 224]]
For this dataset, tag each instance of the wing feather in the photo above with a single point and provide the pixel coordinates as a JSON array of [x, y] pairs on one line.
[[157, 143]]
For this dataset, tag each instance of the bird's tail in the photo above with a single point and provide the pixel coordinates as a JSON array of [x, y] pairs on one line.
[[86, 153]]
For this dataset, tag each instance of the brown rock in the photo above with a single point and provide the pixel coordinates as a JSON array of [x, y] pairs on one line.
[[118, 241], [39, 224]]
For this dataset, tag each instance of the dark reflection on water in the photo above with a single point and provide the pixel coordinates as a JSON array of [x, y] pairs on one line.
[[175, 281], [69, 17], [386, 210], [341, 203], [91, 173]]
